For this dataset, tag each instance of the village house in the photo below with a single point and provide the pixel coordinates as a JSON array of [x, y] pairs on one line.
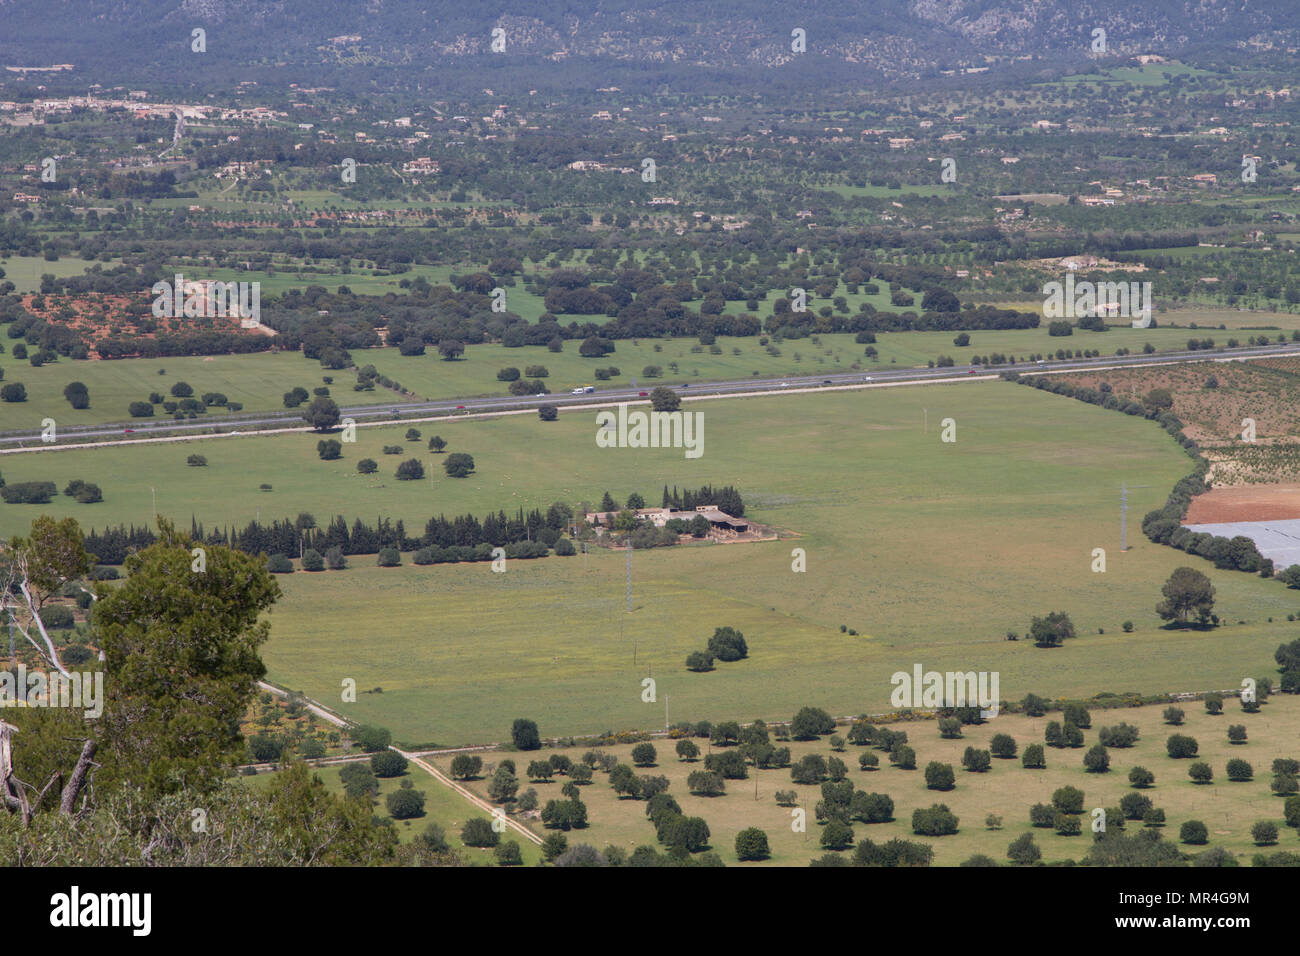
[[721, 524]]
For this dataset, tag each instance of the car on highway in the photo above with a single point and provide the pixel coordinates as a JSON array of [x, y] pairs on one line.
[[1040, 362], [826, 381], [686, 384], [785, 384], [643, 394], [867, 378], [460, 407], [970, 371], [129, 431]]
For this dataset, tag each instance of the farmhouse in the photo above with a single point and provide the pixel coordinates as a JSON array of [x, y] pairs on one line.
[[720, 523]]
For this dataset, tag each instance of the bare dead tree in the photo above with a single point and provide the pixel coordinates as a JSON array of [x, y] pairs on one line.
[[17, 580]]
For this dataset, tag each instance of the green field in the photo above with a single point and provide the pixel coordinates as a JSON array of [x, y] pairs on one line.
[[931, 551], [25, 271], [1228, 809], [260, 380]]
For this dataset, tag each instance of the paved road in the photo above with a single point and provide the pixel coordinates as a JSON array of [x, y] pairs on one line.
[[401, 411]]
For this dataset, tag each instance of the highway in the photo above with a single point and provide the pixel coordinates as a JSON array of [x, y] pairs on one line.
[[398, 411]]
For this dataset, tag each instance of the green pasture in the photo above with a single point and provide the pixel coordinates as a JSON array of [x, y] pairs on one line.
[[25, 271], [931, 551], [258, 380]]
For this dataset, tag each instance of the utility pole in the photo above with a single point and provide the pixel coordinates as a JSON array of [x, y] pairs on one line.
[[154, 492], [629, 577], [1123, 516]]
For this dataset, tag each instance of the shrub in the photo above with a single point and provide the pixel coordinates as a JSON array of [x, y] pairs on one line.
[[525, 735], [903, 757], [1174, 716], [937, 820], [1194, 832], [976, 761], [367, 466], [1239, 771], [1042, 815], [389, 558], [508, 854], [1291, 810], [699, 661], [1200, 772], [196, 461], [410, 470], [706, 783], [1003, 746], [751, 844], [1022, 850], [388, 763], [466, 766], [1068, 800], [1078, 715], [1153, 817], [1134, 805], [1097, 759], [279, 564], [1141, 777], [810, 769], [1124, 735], [1237, 733], [478, 832], [329, 449], [1033, 757], [548, 413], [458, 465], [644, 755], [1180, 746], [1264, 833], [312, 560], [405, 804], [811, 722], [728, 644], [140, 410], [939, 776], [1068, 825]]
